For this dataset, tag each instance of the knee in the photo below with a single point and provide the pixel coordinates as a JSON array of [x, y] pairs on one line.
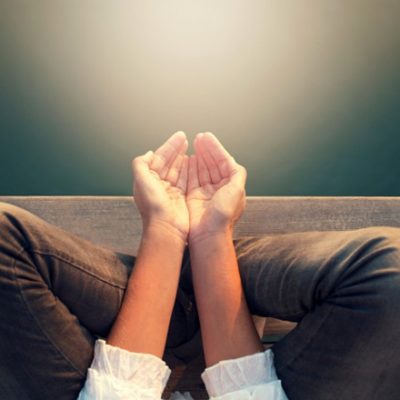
[[13, 220], [10, 213], [7, 209], [370, 269], [382, 242], [6, 213], [380, 275], [385, 234]]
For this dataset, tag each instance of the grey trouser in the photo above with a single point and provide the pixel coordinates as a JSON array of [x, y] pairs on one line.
[[58, 292]]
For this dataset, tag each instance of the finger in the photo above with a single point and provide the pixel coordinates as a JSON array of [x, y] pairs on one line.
[[173, 172], [140, 164], [193, 176], [183, 175], [182, 150], [203, 173], [212, 166], [239, 176], [169, 149], [225, 162]]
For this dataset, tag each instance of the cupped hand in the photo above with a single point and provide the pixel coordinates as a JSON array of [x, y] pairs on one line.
[[216, 194], [160, 184]]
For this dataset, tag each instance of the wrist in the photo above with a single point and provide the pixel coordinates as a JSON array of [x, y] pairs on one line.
[[168, 231], [207, 236]]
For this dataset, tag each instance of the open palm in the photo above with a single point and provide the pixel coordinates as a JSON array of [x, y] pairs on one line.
[[160, 184], [216, 187]]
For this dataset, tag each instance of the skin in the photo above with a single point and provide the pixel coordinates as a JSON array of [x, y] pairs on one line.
[[216, 199], [160, 181], [194, 200]]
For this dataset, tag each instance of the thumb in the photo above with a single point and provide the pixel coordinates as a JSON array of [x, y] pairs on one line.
[[147, 157], [141, 164], [238, 174]]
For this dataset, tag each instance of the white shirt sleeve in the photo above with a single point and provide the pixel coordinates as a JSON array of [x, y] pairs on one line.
[[117, 374], [252, 377]]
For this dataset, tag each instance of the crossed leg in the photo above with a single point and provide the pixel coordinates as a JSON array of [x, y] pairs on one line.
[[343, 290], [59, 291]]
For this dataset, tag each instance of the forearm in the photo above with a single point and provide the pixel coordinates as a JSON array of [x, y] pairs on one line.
[[227, 327], [143, 320]]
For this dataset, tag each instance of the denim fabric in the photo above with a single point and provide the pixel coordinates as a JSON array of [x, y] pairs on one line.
[[59, 292]]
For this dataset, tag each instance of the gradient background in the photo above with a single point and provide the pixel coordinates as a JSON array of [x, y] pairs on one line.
[[305, 94]]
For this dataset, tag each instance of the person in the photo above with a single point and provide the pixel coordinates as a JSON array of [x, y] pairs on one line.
[[81, 321]]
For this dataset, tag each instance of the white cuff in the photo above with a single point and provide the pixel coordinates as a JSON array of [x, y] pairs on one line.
[[232, 375], [265, 391], [120, 373]]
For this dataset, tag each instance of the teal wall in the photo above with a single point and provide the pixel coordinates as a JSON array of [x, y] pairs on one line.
[[305, 94]]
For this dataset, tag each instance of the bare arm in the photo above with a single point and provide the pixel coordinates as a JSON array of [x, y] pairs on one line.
[[227, 327], [160, 185], [143, 321], [216, 199]]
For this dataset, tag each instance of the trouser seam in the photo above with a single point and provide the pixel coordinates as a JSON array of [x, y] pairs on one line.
[[36, 320]]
